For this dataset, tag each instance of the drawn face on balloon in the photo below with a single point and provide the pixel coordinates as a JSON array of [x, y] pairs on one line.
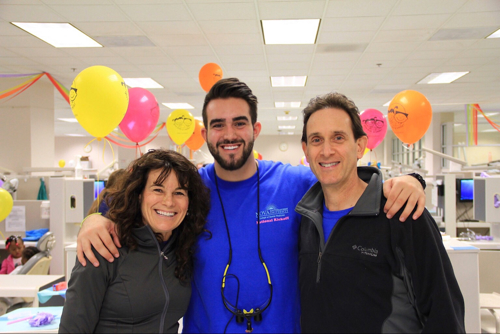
[[182, 123], [374, 124], [397, 116], [72, 96]]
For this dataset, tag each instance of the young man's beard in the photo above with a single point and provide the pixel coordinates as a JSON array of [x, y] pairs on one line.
[[232, 164]]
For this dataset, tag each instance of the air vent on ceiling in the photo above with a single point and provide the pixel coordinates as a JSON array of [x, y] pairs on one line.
[[121, 41], [462, 33], [341, 47]]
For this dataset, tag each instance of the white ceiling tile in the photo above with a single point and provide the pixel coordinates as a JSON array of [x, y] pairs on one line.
[[246, 74], [245, 66], [157, 12], [40, 52], [298, 66], [28, 13], [421, 62], [201, 60], [415, 22], [230, 26], [138, 2], [352, 23], [403, 35], [436, 54], [239, 59], [490, 43], [322, 80], [356, 8], [410, 7], [122, 28], [281, 10], [91, 52], [287, 72], [139, 51], [90, 13], [8, 29], [289, 49], [169, 27], [345, 37], [13, 52], [166, 67], [191, 50], [391, 47], [145, 60], [480, 6], [238, 50], [445, 45], [480, 19], [176, 40], [337, 57], [19, 61], [289, 57], [479, 53], [223, 11], [381, 57], [26, 41], [467, 61], [337, 68], [235, 39]]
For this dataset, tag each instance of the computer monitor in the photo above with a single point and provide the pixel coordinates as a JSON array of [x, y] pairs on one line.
[[465, 190], [98, 187]]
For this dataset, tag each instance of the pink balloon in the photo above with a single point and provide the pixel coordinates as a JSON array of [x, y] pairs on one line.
[[142, 115], [375, 126]]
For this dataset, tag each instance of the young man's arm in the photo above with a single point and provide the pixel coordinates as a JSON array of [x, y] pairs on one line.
[[99, 232]]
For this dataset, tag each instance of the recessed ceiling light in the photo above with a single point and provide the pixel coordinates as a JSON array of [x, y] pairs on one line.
[[442, 78], [292, 81], [74, 135], [286, 118], [70, 120], [287, 104], [290, 31], [387, 103], [286, 127], [285, 133], [489, 114], [496, 34], [489, 130], [59, 35], [174, 106], [457, 124], [142, 83]]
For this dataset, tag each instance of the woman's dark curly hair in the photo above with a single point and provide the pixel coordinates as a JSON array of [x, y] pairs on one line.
[[125, 206]]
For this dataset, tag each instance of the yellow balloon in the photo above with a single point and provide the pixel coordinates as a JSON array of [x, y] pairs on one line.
[[62, 163], [180, 126], [366, 151], [99, 100], [6, 203], [255, 154]]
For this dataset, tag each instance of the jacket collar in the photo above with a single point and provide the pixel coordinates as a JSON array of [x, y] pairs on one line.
[[367, 205]]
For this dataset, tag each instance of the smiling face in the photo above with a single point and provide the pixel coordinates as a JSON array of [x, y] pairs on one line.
[[331, 149], [164, 205], [230, 135]]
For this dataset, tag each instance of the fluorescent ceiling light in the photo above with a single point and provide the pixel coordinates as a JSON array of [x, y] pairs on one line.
[[142, 83], [457, 124], [286, 118], [286, 127], [59, 35], [489, 130], [442, 78], [70, 120], [290, 31], [496, 34], [174, 106], [74, 135], [285, 133], [387, 103], [489, 114], [294, 81], [287, 104]]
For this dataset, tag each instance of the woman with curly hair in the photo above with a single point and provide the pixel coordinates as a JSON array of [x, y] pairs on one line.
[[160, 209]]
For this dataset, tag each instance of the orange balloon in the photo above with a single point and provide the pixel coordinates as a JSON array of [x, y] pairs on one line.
[[410, 115], [209, 74], [195, 142]]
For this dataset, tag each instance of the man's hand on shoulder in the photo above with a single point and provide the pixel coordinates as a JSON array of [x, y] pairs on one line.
[[99, 232], [400, 190]]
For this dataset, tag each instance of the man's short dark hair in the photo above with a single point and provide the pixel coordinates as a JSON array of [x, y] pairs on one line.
[[334, 100], [231, 87]]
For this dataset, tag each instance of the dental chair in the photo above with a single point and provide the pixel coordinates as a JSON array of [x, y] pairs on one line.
[[40, 262]]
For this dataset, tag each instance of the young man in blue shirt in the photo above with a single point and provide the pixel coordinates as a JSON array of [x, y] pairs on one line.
[[246, 271]]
